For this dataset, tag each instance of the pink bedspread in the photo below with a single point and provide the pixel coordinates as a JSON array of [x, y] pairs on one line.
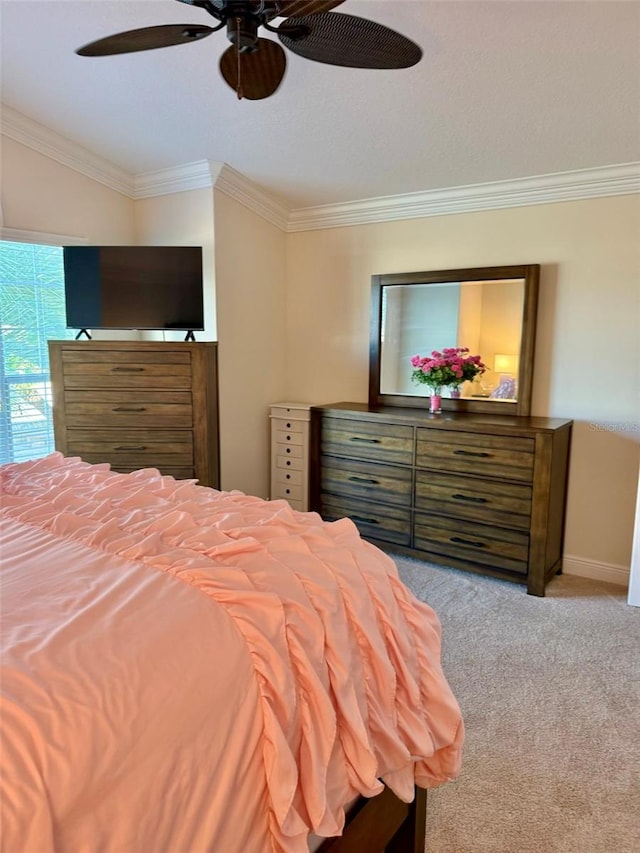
[[187, 670]]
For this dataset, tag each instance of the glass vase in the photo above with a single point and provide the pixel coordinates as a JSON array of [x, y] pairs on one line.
[[455, 393], [435, 403]]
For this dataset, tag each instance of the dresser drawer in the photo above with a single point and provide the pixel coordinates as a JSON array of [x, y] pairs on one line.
[[491, 455], [390, 524], [165, 470], [364, 440], [288, 437], [128, 409], [299, 506], [290, 463], [289, 414], [368, 480], [493, 547], [490, 501], [126, 369], [289, 451], [287, 492], [155, 448], [288, 477], [281, 425]]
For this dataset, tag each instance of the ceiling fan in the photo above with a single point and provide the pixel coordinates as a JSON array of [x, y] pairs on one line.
[[254, 66]]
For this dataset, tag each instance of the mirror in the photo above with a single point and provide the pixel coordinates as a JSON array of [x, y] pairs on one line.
[[490, 311]]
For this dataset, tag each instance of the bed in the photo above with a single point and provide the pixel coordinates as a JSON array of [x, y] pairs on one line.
[[190, 670]]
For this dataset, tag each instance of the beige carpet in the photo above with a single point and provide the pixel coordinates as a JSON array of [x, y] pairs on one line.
[[550, 693]]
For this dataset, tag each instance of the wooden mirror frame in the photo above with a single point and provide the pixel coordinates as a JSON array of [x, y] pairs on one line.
[[530, 273]]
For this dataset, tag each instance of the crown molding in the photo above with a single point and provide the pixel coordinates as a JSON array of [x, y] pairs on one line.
[[18, 235], [207, 174], [235, 185], [203, 174], [191, 176], [39, 138], [623, 179]]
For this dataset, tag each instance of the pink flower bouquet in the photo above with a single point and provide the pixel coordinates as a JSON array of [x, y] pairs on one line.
[[451, 367]]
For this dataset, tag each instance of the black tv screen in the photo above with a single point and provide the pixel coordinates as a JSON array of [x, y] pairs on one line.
[[133, 287]]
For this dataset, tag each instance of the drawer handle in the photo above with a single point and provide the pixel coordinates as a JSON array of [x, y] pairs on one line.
[[460, 541], [470, 498], [365, 440], [128, 409], [470, 453], [127, 369], [364, 480], [364, 520], [124, 447]]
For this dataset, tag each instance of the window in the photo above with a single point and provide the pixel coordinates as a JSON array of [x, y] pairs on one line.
[[31, 311]]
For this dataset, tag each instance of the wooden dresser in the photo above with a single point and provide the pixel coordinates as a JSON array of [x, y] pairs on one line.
[[479, 492], [138, 404]]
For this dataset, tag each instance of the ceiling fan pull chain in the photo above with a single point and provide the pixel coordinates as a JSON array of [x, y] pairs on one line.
[[239, 87]]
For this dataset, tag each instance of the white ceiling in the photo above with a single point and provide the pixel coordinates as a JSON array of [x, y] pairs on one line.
[[506, 89]]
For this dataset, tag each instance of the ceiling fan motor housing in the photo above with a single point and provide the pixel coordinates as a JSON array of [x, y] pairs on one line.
[[242, 31], [243, 21]]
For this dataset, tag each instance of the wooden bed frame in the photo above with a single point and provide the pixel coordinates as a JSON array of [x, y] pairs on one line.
[[383, 824]]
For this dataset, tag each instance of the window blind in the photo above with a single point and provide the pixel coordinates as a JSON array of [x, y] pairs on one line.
[[31, 312]]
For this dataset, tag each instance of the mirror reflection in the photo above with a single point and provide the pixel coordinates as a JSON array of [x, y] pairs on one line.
[[483, 316]]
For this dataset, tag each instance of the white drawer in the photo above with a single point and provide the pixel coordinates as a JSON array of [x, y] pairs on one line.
[[288, 492], [291, 412], [290, 463], [282, 437], [295, 451], [299, 505], [288, 425], [288, 477]]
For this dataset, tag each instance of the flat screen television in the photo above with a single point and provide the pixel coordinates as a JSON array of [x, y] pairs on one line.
[[133, 287]]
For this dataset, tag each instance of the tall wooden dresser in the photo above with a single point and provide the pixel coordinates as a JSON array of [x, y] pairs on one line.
[[479, 492], [138, 404]]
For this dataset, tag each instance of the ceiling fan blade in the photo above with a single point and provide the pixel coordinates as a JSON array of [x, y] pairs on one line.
[[271, 8], [254, 74], [339, 39], [147, 38], [286, 8]]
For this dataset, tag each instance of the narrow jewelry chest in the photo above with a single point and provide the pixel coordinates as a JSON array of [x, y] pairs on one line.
[[478, 492], [290, 454]]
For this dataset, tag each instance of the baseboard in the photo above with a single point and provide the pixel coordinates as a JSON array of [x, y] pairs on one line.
[[584, 568]]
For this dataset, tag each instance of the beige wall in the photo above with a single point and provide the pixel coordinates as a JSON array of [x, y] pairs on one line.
[[183, 219], [245, 300], [587, 356], [250, 284], [39, 194]]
